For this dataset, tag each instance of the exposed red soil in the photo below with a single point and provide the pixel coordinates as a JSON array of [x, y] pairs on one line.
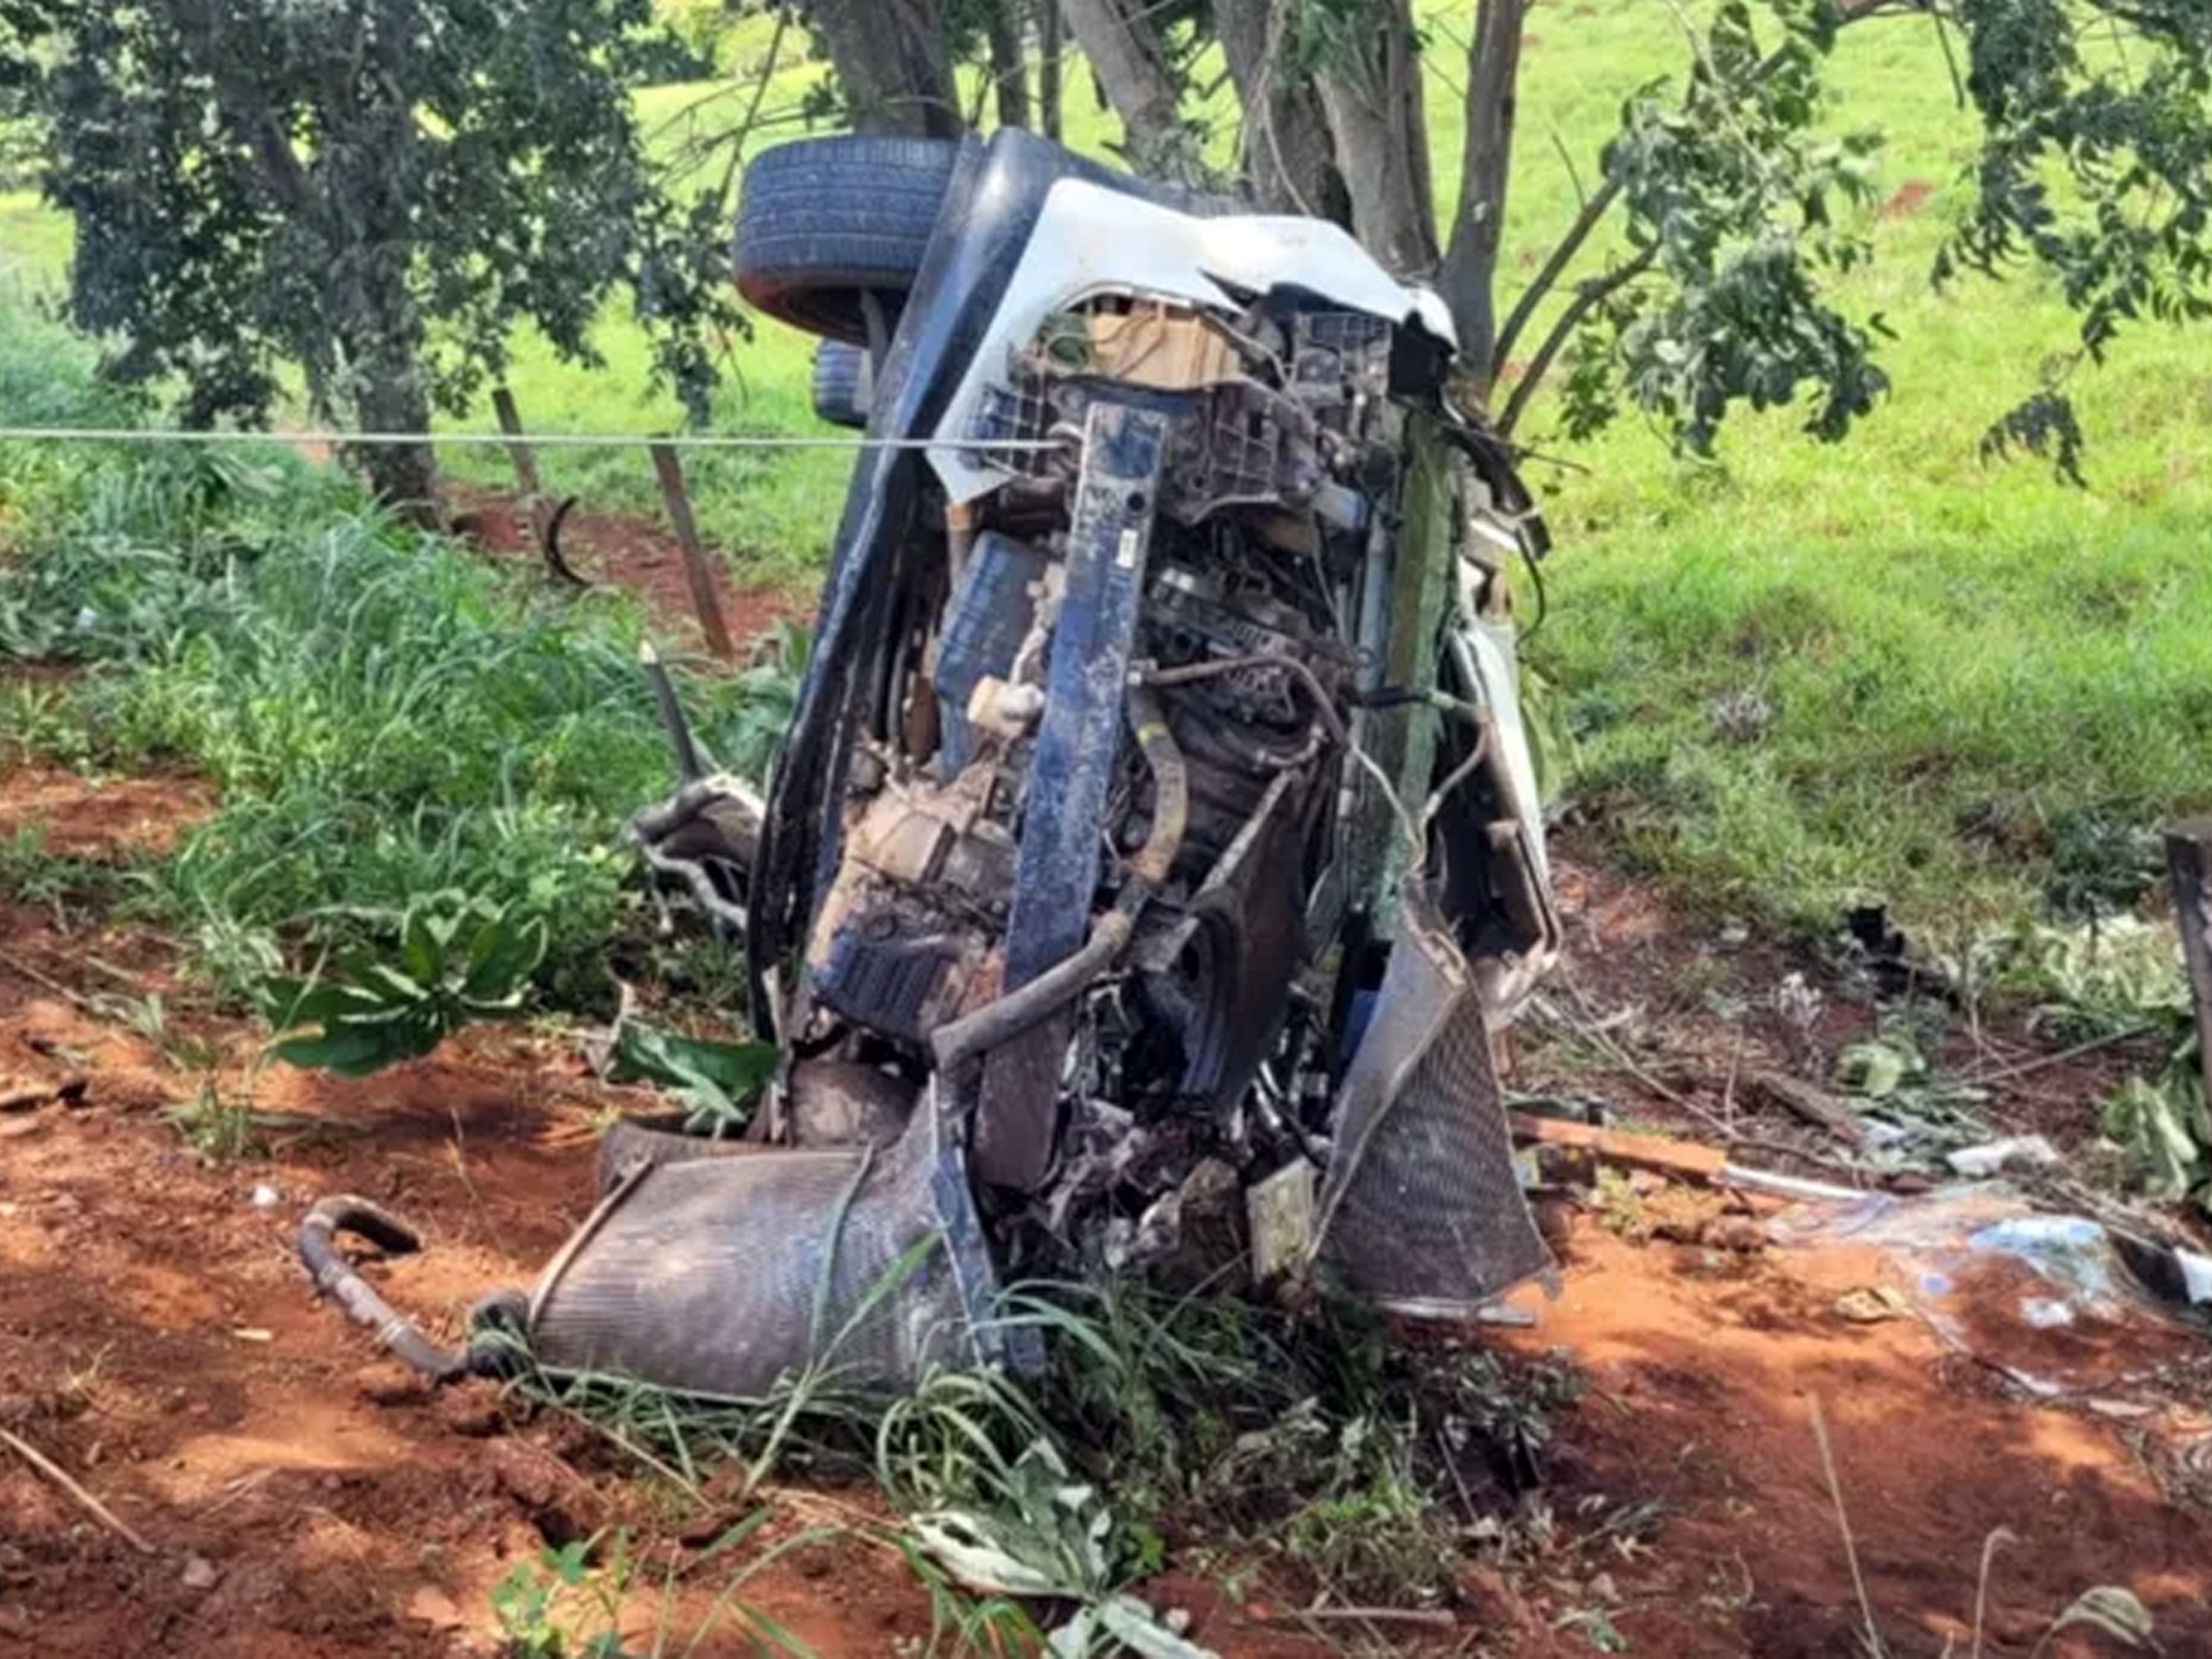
[[101, 820], [1704, 1367], [158, 1340], [625, 551], [1910, 198]]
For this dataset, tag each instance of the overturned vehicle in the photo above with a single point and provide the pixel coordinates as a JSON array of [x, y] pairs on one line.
[[1156, 846]]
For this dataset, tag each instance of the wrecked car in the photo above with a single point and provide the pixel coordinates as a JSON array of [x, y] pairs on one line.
[[1156, 845]]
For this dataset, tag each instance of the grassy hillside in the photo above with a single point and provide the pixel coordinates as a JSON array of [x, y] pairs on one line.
[[1800, 675]]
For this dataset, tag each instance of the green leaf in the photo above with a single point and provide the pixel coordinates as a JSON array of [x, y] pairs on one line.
[[738, 1070], [504, 953], [348, 1050], [1876, 1070], [420, 951]]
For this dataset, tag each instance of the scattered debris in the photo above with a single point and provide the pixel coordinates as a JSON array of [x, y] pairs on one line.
[[199, 1573], [84, 1500], [2050, 1301], [1995, 1156], [1872, 1304]]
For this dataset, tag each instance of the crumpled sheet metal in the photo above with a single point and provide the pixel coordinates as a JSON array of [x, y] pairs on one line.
[[2049, 1301], [714, 1277], [1422, 1209]]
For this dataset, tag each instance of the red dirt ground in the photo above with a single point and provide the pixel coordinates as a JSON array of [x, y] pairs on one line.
[[304, 1500], [641, 553]]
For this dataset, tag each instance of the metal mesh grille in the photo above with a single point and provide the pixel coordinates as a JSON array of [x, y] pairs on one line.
[[714, 1276], [1422, 1211]]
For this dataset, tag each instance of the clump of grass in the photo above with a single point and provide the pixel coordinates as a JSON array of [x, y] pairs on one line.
[[1199, 1420], [384, 715], [31, 872]]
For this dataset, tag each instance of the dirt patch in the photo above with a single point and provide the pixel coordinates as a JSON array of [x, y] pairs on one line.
[[307, 1500], [1703, 1368], [101, 820], [1909, 199], [625, 551]]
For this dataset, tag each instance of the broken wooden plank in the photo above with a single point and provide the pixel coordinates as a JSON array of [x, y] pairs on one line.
[[1809, 1102], [1682, 1159]]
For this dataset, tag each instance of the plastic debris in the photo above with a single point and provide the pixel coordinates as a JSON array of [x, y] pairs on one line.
[[2055, 1302], [1874, 1303], [1994, 1157]]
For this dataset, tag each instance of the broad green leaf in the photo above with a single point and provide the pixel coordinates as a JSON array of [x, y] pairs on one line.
[[738, 1070], [420, 950], [348, 1050], [504, 953], [1873, 1069]]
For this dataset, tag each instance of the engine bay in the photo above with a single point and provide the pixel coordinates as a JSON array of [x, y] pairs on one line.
[[1141, 682]]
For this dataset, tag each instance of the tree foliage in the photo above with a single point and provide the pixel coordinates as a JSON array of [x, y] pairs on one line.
[[373, 193], [1698, 276]]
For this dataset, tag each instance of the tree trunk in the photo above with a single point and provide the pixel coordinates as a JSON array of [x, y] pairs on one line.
[[1373, 98], [1289, 162], [1048, 68], [365, 205], [393, 398], [1470, 273], [1010, 83], [1126, 58], [382, 378], [891, 60]]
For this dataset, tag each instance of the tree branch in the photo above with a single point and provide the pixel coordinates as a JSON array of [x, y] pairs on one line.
[[1548, 277], [1594, 208], [1589, 295], [1478, 233]]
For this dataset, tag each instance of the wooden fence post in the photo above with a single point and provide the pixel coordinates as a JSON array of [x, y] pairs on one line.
[[525, 460], [696, 570], [2189, 874]]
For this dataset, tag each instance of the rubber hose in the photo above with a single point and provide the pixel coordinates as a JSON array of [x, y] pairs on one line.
[[338, 1278], [1017, 1012], [1191, 673], [1170, 790]]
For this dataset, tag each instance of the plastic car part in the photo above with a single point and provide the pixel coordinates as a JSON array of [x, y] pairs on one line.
[[990, 613]]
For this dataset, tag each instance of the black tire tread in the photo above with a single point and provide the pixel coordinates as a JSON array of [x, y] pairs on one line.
[[822, 219], [837, 384]]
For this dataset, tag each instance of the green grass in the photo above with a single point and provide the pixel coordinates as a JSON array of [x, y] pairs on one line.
[[386, 715], [1943, 646]]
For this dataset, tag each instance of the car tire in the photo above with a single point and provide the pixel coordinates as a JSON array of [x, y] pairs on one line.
[[841, 383], [825, 221]]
